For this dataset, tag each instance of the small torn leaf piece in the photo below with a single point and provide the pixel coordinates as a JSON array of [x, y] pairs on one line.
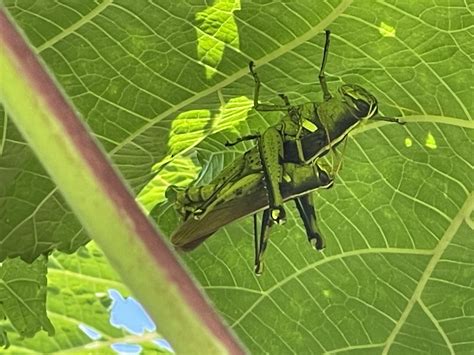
[[23, 295], [4, 342]]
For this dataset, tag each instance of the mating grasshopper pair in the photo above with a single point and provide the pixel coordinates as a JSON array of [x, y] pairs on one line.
[[282, 166]]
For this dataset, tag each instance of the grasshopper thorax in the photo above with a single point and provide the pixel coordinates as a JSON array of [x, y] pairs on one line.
[[362, 103]]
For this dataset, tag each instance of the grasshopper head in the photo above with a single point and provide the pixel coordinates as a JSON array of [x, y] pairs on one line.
[[362, 103]]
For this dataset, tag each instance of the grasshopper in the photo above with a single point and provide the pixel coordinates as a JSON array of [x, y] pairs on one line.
[[291, 147], [244, 197]]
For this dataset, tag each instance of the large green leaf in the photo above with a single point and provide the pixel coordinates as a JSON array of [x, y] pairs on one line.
[[159, 82], [77, 298]]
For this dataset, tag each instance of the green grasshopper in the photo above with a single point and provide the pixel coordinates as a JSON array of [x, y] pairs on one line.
[[305, 133], [244, 197]]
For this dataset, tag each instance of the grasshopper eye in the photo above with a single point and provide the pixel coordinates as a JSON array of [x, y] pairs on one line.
[[363, 104], [367, 109]]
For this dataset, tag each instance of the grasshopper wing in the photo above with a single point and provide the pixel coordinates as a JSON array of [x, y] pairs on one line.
[[302, 179], [195, 231]]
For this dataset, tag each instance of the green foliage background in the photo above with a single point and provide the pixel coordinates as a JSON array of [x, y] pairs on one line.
[[164, 84]]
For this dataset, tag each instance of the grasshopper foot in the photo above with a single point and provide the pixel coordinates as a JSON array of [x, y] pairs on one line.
[[278, 215], [252, 67], [259, 269], [317, 242]]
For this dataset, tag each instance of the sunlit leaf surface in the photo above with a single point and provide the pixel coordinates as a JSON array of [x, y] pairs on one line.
[[163, 85]]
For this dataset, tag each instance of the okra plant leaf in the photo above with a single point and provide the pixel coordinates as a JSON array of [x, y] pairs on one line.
[[23, 296], [79, 306], [163, 85]]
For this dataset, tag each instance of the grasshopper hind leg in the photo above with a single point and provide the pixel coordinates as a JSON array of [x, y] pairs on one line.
[[261, 243]]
